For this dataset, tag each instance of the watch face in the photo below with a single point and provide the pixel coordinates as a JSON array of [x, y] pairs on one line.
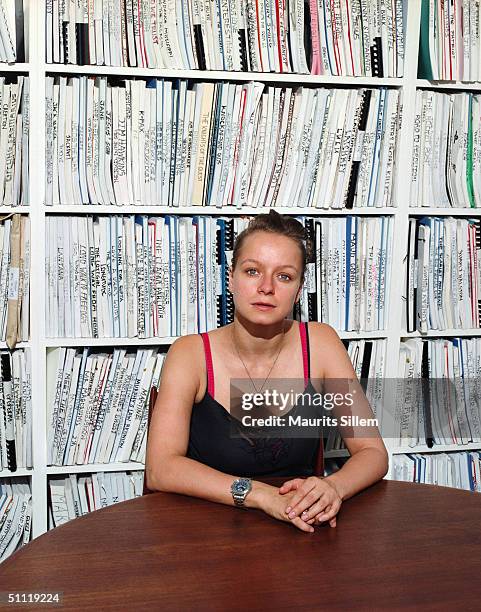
[[240, 486]]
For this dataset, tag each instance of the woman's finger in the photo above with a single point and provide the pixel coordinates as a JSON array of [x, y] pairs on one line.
[[327, 515], [302, 525], [311, 498], [304, 497], [316, 509], [290, 485]]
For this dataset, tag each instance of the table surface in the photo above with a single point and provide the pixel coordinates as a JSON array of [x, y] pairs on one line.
[[396, 546]]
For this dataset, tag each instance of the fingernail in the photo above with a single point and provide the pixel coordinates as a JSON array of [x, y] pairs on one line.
[[288, 509], [292, 515], [311, 530]]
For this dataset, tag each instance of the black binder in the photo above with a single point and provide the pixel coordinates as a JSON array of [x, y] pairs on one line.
[[428, 425]]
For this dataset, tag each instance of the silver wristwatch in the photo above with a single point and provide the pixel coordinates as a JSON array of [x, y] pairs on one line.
[[239, 489]]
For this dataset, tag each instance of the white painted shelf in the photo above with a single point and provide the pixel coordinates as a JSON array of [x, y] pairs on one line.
[[224, 75], [89, 209], [108, 342], [444, 212], [447, 333], [437, 448], [16, 474], [167, 340], [14, 67], [7, 210], [19, 345], [454, 85], [94, 467]]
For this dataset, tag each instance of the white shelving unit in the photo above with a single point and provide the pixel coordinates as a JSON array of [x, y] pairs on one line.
[[167, 340], [212, 210], [438, 448], [95, 467], [453, 85], [37, 69]]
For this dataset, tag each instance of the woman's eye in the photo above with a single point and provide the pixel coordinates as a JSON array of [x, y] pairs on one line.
[[285, 277], [251, 271]]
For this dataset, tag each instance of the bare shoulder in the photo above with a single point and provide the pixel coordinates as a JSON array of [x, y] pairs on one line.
[[323, 337], [187, 343], [324, 332], [186, 354], [329, 357]]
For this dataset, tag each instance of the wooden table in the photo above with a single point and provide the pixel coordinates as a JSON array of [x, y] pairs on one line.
[[396, 546]]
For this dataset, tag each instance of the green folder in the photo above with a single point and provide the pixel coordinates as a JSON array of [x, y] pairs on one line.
[[425, 70], [469, 154]]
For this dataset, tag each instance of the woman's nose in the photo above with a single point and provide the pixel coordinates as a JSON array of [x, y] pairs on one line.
[[266, 285]]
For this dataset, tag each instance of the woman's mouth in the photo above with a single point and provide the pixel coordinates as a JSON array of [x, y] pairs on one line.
[[263, 306]]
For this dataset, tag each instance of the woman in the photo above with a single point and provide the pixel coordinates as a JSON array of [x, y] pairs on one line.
[[191, 449]]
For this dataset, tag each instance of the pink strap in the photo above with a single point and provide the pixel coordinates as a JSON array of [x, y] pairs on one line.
[[208, 363], [210, 368], [319, 465], [305, 359]]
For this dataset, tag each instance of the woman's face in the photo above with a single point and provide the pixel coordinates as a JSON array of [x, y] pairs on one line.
[[267, 278]]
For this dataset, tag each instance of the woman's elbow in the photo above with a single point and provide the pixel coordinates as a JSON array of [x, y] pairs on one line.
[[384, 462], [378, 459], [157, 477], [152, 481]]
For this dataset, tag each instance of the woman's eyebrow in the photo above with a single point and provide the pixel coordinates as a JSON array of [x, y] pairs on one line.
[[258, 262]]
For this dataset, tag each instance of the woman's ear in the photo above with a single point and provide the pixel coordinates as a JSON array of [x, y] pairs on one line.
[[230, 279]]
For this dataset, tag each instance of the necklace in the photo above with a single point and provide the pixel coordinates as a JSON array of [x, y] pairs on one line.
[[272, 366]]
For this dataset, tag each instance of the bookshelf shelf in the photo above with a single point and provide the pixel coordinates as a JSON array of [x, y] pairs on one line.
[[219, 75], [10, 210], [435, 333], [165, 341], [212, 210], [448, 85], [14, 67], [444, 212], [354, 335], [19, 345], [437, 448], [16, 474], [108, 342], [94, 467]]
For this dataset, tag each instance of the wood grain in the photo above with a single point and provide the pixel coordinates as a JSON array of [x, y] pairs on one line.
[[397, 546]]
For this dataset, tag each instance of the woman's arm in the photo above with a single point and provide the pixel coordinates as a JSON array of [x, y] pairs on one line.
[[167, 467], [369, 459], [368, 462]]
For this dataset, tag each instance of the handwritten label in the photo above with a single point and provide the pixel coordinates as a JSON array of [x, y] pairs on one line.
[[13, 283]]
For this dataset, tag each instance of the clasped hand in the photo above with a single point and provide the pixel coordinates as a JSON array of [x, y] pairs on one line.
[[315, 500]]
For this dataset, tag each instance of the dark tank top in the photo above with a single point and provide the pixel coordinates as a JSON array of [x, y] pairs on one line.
[[211, 441]]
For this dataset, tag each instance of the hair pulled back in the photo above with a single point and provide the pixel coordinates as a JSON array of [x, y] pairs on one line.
[[275, 223]]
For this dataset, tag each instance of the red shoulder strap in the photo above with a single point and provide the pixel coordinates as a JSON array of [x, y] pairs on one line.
[[304, 332], [208, 363], [305, 352]]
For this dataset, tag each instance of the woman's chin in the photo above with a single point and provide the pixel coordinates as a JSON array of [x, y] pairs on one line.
[[256, 314]]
